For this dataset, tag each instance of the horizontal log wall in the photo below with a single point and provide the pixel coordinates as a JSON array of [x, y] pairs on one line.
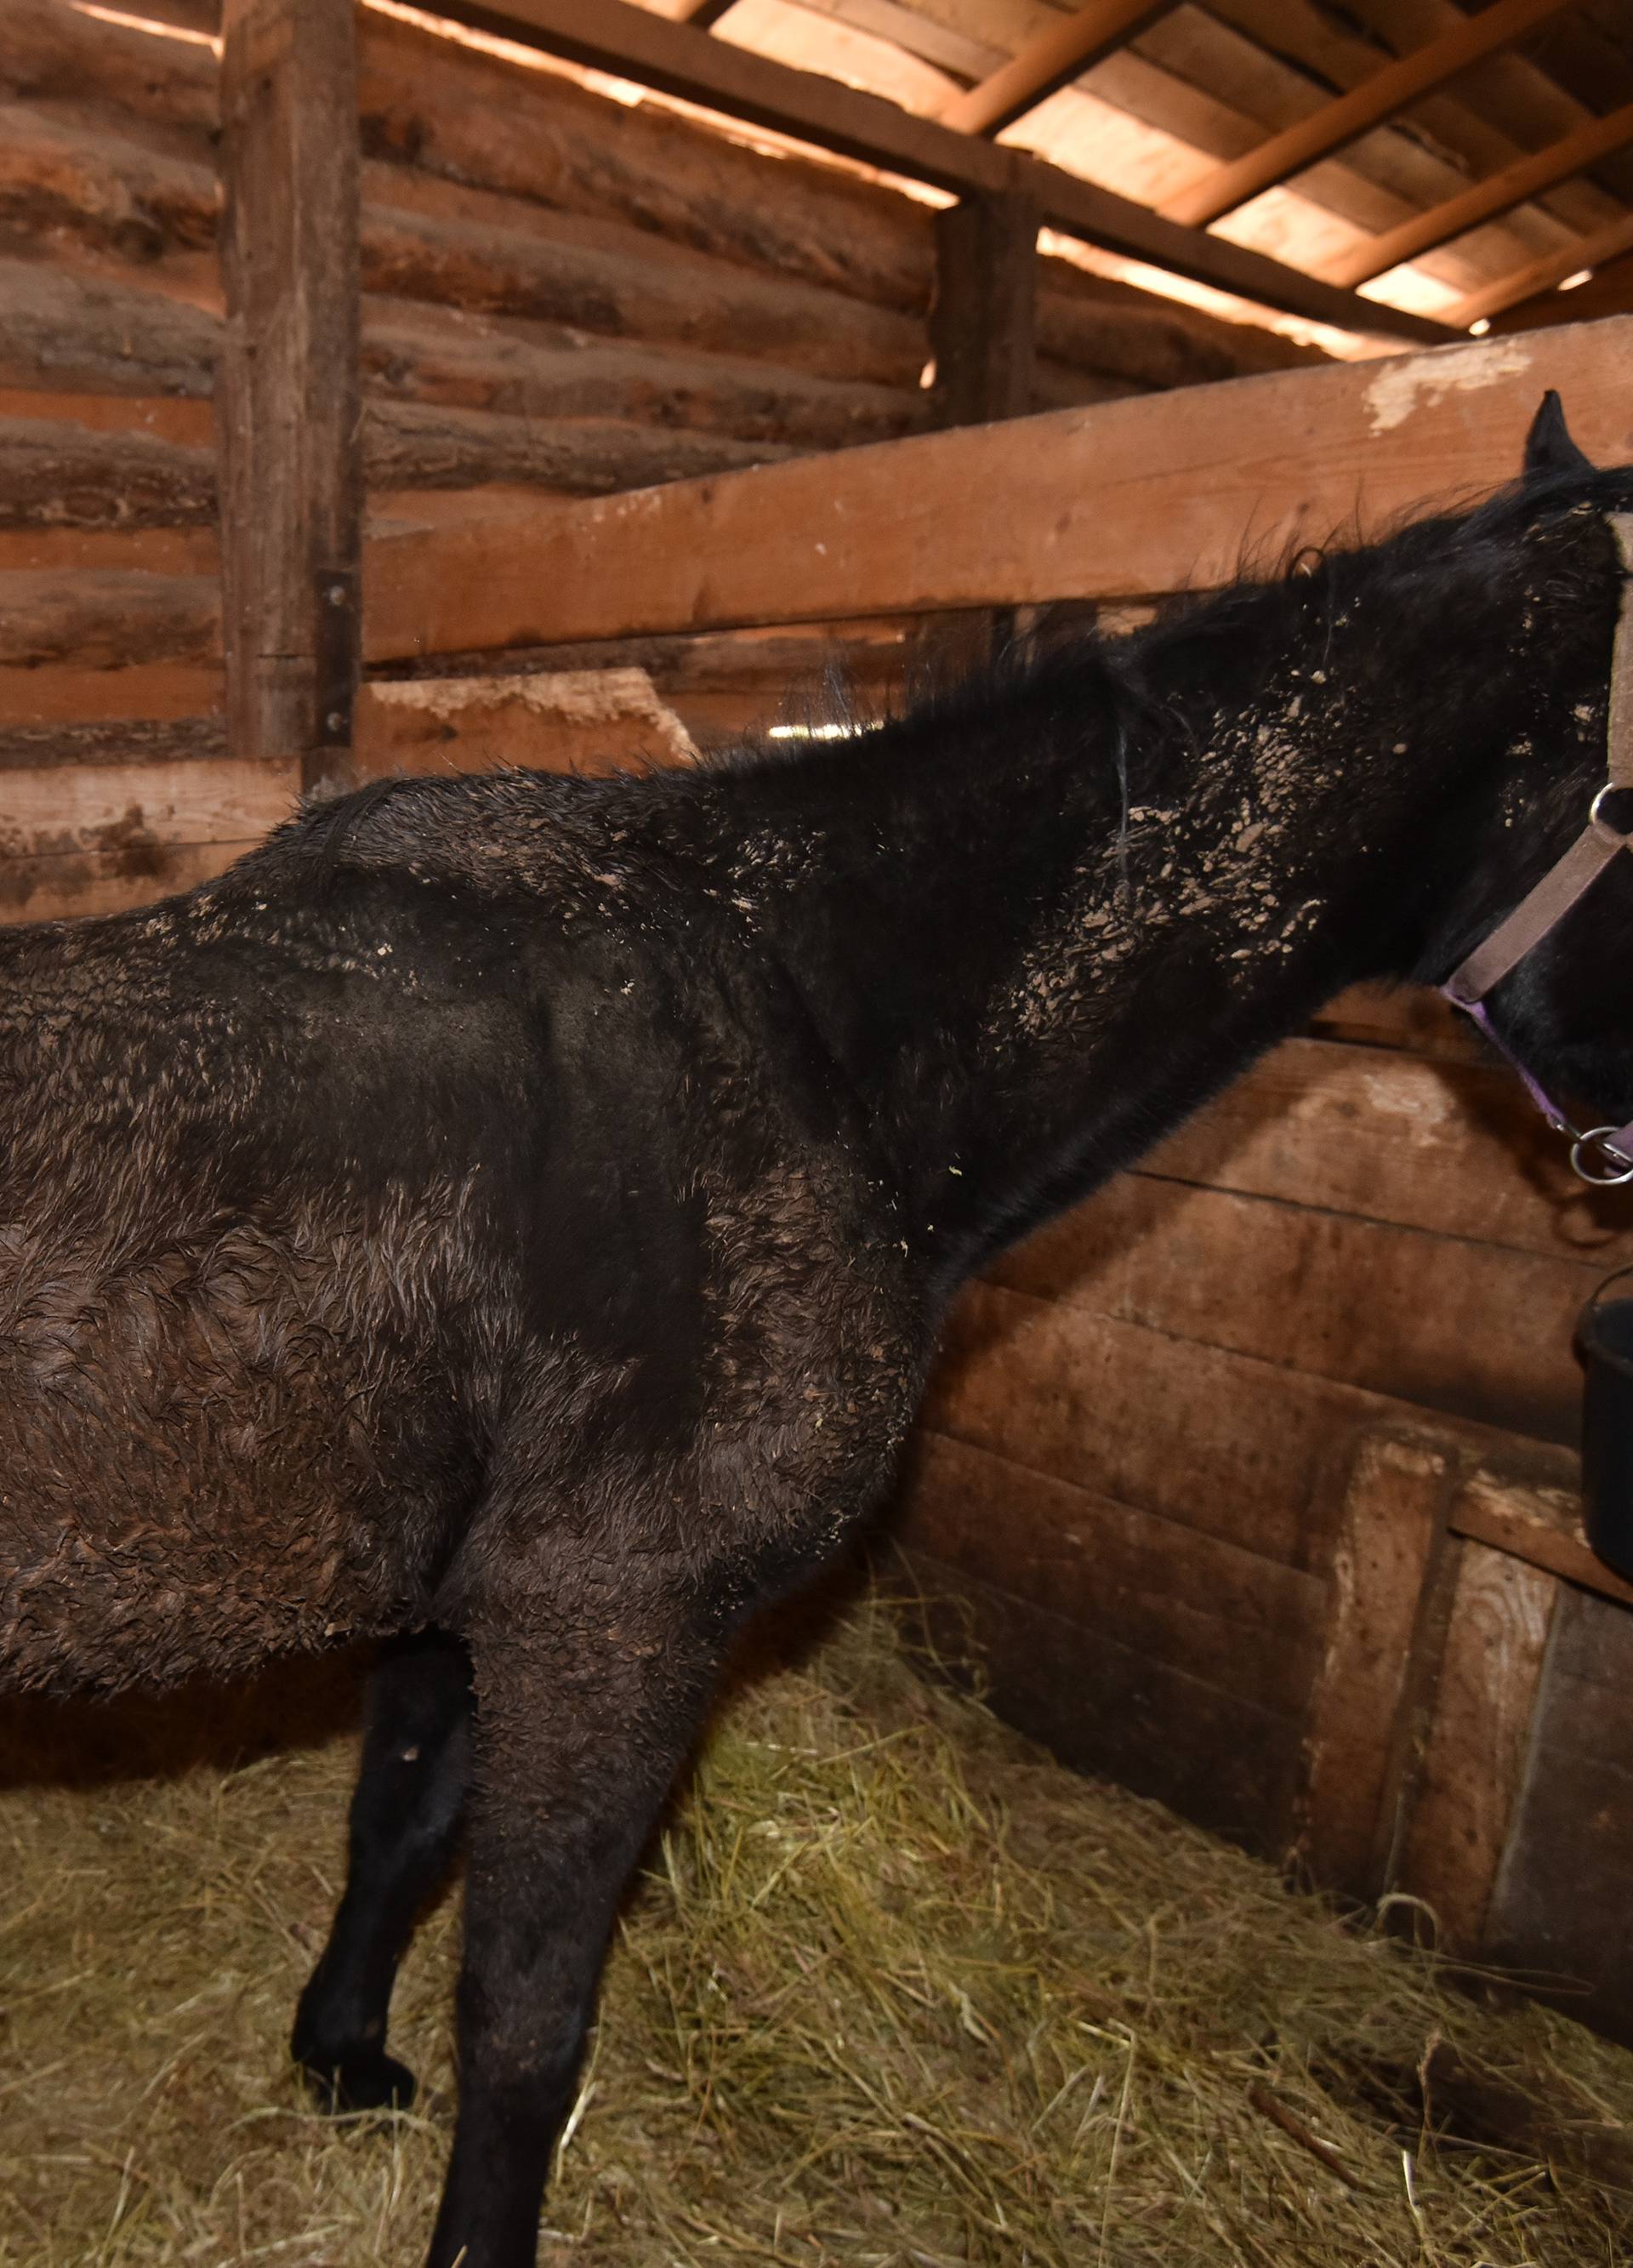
[[561, 294]]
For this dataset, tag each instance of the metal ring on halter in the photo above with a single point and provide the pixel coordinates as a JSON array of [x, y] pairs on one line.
[[1604, 825], [1585, 1144]]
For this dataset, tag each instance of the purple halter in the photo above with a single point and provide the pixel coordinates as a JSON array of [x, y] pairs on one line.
[[1608, 1148]]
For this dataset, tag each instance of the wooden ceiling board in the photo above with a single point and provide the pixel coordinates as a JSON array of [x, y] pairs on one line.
[[1333, 124], [1380, 181], [1199, 85]]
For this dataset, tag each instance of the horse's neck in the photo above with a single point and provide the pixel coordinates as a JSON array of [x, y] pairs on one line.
[[1031, 980]]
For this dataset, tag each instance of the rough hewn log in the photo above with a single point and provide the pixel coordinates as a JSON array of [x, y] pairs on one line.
[[1150, 342], [410, 444], [639, 291], [474, 118], [116, 194], [416, 352], [62, 475], [73, 174], [51, 51], [103, 619], [68, 332]]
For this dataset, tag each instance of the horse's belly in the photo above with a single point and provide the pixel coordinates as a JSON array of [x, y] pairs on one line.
[[199, 1466]]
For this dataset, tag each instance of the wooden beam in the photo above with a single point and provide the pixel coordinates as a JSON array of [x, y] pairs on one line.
[[705, 14], [1053, 60], [1348, 116], [1498, 193], [678, 59], [1146, 495], [983, 325], [288, 394], [1544, 275]]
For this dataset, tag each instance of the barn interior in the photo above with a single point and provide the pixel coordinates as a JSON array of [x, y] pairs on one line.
[[583, 385]]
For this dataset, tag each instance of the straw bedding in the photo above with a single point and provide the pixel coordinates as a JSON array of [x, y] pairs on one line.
[[896, 1991]]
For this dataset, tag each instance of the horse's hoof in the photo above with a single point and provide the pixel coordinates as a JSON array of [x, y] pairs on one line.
[[369, 2081]]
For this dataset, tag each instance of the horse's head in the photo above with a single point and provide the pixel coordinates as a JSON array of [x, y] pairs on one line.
[[1552, 983]]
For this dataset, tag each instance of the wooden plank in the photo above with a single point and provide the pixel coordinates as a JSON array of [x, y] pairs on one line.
[[1451, 1146], [64, 810], [1462, 1804], [613, 36], [1157, 1586], [143, 692], [1145, 496], [1347, 117], [1050, 60], [1498, 193], [61, 551], [292, 475], [983, 328], [1390, 1537], [107, 882], [1108, 1709], [1240, 1448], [190, 739], [1395, 1311]]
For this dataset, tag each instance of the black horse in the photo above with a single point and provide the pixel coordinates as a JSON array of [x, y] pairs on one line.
[[514, 1214]]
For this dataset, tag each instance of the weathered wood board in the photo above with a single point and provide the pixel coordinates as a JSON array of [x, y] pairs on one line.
[[1154, 494]]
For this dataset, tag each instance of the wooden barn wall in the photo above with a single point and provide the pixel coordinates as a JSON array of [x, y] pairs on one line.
[[563, 293]]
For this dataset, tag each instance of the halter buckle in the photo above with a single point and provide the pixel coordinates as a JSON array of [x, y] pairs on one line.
[[1595, 1146]]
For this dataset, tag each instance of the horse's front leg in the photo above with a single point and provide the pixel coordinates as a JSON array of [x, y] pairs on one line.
[[586, 1706]]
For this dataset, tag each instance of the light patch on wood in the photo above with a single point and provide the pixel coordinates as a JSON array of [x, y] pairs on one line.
[[587, 720], [1416, 1096], [1400, 386], [1476, 1751]]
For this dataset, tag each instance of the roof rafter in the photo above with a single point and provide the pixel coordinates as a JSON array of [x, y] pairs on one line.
[[1348, 116], [1498, 193], [678, 59], [1051, 61], [1541, 275]]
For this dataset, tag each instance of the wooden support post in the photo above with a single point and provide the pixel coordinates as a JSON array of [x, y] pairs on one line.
[[983, 328], [288, 391], [983, 335]]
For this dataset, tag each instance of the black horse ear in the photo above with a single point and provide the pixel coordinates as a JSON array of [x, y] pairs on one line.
[[1549, 448]]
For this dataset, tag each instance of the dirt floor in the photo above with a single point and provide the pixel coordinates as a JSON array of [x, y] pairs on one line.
[[896, 1992]]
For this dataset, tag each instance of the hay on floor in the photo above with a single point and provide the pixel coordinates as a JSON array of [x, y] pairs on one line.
[[897, 1991]]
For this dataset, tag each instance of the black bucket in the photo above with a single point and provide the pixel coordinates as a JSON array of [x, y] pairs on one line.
[[1605, 1342]]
